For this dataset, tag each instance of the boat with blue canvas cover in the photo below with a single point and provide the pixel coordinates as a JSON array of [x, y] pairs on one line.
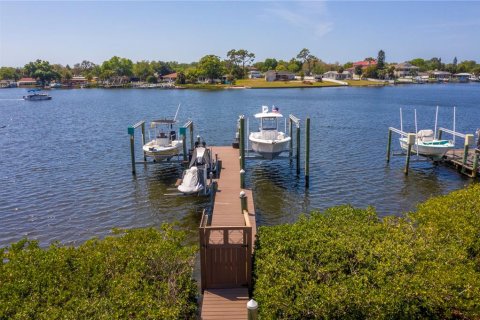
[[35, 95]]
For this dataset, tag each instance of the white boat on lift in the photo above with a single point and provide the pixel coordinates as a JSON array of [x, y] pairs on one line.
[[165, 144], [269, 142], [425, 142]]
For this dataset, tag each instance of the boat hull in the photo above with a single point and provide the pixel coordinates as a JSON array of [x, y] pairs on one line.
[[37, 98], [270, 149], [162, 153], [436, 151]]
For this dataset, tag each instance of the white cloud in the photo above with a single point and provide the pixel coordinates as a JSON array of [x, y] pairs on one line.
[[304, 15]]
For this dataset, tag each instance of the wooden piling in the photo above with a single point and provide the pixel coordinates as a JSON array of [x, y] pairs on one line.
[[469, 139], [132, 148], [184, 142], [410, 141], [143, 141], [290, 131], [243, 201], [307, 153], [298, 150], [475, 164], [389, 144], [191, 136], [242, 142], [242, 179]]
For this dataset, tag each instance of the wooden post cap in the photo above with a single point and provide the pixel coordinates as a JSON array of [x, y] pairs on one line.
[[252, 305], [242, 194], [411, 138], [469, 139]]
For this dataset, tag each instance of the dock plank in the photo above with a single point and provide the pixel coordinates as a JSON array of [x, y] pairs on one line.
[[224, 304]]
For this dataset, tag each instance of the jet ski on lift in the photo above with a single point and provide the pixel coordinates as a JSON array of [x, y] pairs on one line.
[[201, 166]]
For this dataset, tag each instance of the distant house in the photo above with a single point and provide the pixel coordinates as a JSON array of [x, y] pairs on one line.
[[334, 75], [462, 77], [172, 77], [8, 84], [405, 69], [440, 75], [254, 74], [78, 81], [365, 63], [272, 75], [26, 82]]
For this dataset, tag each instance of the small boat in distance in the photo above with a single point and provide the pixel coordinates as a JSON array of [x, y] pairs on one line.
[[35, 95], [269, 142], [164, 145]]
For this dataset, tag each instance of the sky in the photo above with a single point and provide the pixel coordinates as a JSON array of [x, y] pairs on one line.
[[68, 32]]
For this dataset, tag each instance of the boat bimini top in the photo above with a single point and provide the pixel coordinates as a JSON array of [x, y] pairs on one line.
[[265, 114]]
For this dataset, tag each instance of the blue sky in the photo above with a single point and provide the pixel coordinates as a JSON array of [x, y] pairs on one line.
[[68, 32]]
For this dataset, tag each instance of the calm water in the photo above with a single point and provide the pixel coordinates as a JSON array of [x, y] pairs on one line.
[[65, 163]]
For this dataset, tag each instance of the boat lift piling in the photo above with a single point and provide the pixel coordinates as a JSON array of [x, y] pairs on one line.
[[411, 137], [131, 133]]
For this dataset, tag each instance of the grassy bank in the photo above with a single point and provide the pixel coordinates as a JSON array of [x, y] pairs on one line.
[[346, 263], [262, 84], [363, 83], [141, 274]]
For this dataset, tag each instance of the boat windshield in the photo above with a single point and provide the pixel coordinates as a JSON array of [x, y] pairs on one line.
[[269, 123]]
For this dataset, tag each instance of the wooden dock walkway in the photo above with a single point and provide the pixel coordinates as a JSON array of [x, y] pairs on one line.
[[226, 244], [469, 168]]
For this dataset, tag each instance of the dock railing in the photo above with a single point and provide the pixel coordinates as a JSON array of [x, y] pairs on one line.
[[225, 254]]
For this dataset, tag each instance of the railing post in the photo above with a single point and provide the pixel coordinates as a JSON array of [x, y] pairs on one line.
[[252, 307], [389, 144], [243, 201], [131, 132], [307, 153]]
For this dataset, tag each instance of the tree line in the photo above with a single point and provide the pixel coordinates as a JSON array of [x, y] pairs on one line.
[[211, 67]]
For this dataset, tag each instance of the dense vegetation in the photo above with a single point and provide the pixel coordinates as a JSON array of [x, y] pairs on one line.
[[211, 67], [141, 274], [346, 263]]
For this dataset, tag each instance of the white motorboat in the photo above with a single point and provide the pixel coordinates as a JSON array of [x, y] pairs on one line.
[[165, 144], [195, 178], [269, 142], [35, 95], [426, 144]]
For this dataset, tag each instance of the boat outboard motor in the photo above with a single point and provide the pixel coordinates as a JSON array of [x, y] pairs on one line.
[[173, 135]]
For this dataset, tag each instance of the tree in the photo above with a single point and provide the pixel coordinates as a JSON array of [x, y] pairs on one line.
[[117, 67], [151, 79], [241, 58], [142, 70], [211, 67], [41, 70], [181, 78], [358, 70], [370, 72], [421, 63], [308, 60], [269, 64], [348, 65], [303, 55], [381, 60], [191, 75], [281, 67], [9, 73]]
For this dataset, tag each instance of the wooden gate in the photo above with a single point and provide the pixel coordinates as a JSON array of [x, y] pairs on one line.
[[225, 256]]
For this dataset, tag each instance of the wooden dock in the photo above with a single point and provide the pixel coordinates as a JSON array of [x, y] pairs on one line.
[[226, 244], [467, 165]]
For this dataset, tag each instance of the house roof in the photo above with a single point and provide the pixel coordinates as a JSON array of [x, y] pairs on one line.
[[170, 76], [465, 74], [441, 72], [406, 65], [365, 63], [27, 80]]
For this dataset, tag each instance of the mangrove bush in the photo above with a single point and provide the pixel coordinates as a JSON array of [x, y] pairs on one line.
[[138, 274], [347, 263]]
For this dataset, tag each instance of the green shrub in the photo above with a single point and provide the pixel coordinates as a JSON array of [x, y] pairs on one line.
[[142, 274], [345, 263]]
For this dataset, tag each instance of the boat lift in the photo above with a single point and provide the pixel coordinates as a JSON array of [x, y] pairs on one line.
[[243, 144], [182, 132], [468, 165]]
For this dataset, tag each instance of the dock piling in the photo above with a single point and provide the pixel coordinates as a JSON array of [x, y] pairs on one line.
[[389, 144], [410, 141], [242, 142], [469, 139], [252, 307], [132, 148], [143, 141], [475, 164], [307, 153], [298, 150], [243, 201], [290, 131], [242, 179]]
